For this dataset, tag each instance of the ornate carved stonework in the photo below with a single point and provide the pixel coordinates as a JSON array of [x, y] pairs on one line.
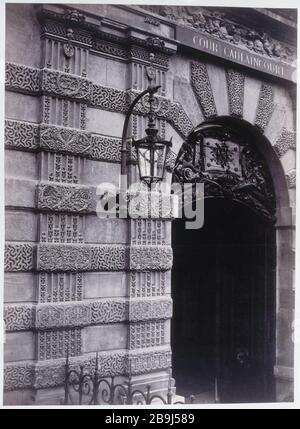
[[291, 179], [170, 160], [55, 344], [59, 139], [105, 148], [151, 258], [220, 27], [49, 316], [265, 106], [22, 78], [19, 257], [147, 284], [23, 135], [46, 374], [202, 88], [235, 86], [65, 85], [71, 257], [286, 141], [146, 334], [105, 98], [107, 257], [229, 166], [109, 98], [18, 376], [18, 317], [68, 198], [156, 308], [63, 257], [141, 363]]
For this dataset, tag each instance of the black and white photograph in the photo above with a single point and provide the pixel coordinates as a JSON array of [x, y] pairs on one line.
[[149, 234]]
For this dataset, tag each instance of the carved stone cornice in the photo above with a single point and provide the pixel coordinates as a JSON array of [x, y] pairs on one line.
[[33, 137], [77, 314], [216, 24], [235, 85], [265, 106], [46, 81], [47, 374], [286, 141]]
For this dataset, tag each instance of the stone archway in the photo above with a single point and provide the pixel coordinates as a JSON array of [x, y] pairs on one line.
[[240, 164]]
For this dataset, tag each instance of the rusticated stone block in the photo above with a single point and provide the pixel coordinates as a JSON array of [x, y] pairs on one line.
[[151, 258], [19, 257], [69, 198], [150, 309]]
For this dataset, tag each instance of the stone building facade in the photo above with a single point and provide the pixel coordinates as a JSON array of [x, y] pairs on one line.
[[83, 284]]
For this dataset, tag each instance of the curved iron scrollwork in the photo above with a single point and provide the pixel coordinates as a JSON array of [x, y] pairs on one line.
[[229, 166], [85, 386]]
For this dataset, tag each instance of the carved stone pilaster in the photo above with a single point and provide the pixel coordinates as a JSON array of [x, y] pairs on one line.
[[265, 106], [202, 87], [151, 309]]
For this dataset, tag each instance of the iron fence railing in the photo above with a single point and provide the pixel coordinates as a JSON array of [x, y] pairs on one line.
[[85, 386]]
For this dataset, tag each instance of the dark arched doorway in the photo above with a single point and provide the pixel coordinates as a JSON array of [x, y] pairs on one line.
[[223, 278]]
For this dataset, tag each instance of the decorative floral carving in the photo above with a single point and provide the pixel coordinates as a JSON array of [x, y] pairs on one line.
[[65, 85], [158, 308], [22, 77], [69, 198], [151, 258], [61, 139], [23, 135], [170, 160], [216, 25], [18, 317], [265, 106], [202, 88], [19, 257], [286, 141], [235, 85], [237, 172]]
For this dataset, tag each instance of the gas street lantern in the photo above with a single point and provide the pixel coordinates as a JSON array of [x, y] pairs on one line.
[[151, 150]]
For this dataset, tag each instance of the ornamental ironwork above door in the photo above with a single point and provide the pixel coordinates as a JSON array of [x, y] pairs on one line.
[[229, 166]]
